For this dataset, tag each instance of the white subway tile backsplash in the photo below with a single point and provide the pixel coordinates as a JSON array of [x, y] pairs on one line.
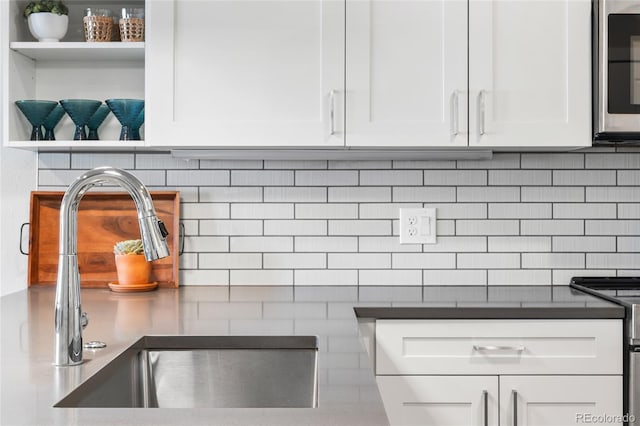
[[423, 260], [455, 177], [326, 277], [488, 261], [552, 194], [583, 244], [238, 194], [552, 260], [488, 194], [584, 211], [424, 194], [520, 211], [294, 260], [552, 161], [518, 219], [359, 227], [613, 194], [552, 227], [354, 194], [438, 277], [326, 244], [230, 260], [612, 227], [487, 227], [457, 244], [612, 161], [261, 177], [274, 277], [230, 227], [519, 276], [295, 227], [260, 244], [358, 260], [326, 178], [519, 244], [390, 277], [261, 211], [326, 211], [390, 177], [519, 177], [584, 177], [197, 177], [290, 194], [613, 260]]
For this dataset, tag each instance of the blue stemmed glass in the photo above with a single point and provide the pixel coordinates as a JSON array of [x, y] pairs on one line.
[[52, 121], [135, 126], [126, 111], [36, 112], [80, 111], [96, 120]]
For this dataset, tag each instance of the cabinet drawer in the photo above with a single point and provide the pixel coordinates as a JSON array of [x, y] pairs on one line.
[[499, 347]]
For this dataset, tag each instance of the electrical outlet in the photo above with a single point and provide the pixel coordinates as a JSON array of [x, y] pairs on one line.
[[418, 226]]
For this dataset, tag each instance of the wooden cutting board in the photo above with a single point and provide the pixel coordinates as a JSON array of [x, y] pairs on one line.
[[104, 218]]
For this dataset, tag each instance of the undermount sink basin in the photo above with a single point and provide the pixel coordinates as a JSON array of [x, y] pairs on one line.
[[206, 372]]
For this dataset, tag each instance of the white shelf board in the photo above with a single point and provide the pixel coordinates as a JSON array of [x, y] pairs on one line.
[[66, 145], [80, 51]]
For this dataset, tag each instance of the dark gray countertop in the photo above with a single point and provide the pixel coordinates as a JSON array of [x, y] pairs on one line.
[[30, 385]]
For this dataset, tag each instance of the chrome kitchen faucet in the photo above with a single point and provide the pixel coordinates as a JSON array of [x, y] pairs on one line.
[[69, 318]]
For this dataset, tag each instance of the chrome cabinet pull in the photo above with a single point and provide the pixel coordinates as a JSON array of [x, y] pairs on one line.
[[485, 408], [490, 348], [454, 120], [514, 394], [480, 108], [332, 123]]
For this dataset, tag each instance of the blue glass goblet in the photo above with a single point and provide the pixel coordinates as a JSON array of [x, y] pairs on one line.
[[52, 121], [126, 111], [135, 126], [80, 111], [36, 112], [96, 120]]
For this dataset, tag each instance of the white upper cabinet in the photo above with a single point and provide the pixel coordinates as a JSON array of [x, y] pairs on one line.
[[406, 73], [245, 73], [529, 73]]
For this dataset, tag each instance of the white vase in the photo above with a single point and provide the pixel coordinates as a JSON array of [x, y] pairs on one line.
[[47, 26]]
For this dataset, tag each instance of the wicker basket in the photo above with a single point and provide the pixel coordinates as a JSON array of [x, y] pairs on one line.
[[132, 29], [97, 28]]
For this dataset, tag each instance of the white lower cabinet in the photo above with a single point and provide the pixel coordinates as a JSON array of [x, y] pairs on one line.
[[501, 400], [500, 372]]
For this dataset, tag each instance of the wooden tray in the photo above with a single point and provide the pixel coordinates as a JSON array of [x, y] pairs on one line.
[[103, 219]]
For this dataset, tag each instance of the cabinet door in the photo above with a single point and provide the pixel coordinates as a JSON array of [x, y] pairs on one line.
[[530, 73], [406, 73], [440, 400], [560, 400], [245, 73]]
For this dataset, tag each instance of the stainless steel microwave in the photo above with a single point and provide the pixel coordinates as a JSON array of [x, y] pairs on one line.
[[617, 68]]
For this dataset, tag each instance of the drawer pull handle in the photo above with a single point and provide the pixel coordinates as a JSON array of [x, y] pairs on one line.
[[491, 348], [515, 407]]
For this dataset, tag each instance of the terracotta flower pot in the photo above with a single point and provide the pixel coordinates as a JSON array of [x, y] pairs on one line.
[[132, 269]]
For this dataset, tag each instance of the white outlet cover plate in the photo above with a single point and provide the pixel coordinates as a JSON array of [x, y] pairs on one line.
[[418, 226]]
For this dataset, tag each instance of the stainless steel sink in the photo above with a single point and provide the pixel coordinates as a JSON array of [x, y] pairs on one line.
[[206, 371]]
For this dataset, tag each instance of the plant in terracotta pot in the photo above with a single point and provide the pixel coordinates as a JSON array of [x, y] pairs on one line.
[[131, 265], [48, 19]]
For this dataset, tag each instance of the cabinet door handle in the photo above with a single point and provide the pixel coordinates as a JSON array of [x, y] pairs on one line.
[[514, 395], [485, 408], [332, 110], [492, 348], [480, 110], [454, 120]]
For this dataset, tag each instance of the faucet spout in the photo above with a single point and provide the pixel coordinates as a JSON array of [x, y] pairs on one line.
[[69, 318]]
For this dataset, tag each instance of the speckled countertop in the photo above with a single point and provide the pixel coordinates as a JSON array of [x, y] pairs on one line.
[[30, 385]]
